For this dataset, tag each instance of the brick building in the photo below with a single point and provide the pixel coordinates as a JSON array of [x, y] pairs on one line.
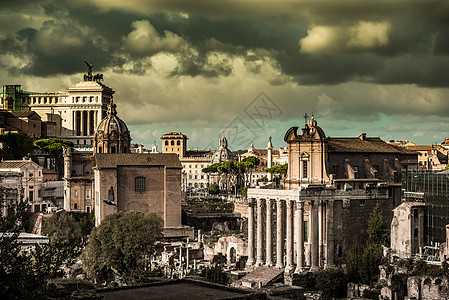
[[124, 181]]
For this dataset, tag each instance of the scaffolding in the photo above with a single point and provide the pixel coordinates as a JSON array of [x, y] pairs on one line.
[[434, 187], [12, 97]]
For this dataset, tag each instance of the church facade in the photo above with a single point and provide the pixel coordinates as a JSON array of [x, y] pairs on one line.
[[331, 187], [124, 181]]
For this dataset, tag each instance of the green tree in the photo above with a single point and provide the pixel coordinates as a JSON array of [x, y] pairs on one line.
[[123, 244], [377, 228], [15, 146], [62, 227], [278, 172], [364, 259], [363, 263], [214, 189], [249, 164], [54, 147], [25, 274], [332, 282]]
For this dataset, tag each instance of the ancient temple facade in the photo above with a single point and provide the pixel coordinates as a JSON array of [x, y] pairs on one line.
[[331, 187]]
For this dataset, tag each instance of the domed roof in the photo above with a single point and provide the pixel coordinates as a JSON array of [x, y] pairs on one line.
[[223, 153], [111, 122]]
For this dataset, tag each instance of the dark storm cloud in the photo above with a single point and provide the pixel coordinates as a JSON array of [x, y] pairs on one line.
[[414, 49]]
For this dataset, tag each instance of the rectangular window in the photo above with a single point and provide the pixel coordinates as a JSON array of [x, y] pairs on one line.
[[140, 184], [304, 169], [88, 195], [356, 172], [31, 195], [76, 193], [88, 209]]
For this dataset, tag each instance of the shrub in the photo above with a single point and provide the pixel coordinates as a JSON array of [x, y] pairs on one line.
[[332, 282], [214, 189]]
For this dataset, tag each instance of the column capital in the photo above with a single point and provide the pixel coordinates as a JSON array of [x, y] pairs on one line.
[[289, 203], [300, 205]]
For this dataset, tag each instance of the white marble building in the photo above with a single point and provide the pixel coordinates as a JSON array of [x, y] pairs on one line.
[[75, 113]]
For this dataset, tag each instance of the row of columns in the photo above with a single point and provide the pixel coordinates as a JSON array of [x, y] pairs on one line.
[[284, 240], [84, 122]]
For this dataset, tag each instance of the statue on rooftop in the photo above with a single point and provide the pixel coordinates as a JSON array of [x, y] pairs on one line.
[[88, 76]]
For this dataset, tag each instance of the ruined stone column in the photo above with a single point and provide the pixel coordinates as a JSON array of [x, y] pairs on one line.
[[187, 259], [279, 236], [299, 220], [250, 260], [314, 236], [259, 249], [330, 233], [269, 237], [289, 232]]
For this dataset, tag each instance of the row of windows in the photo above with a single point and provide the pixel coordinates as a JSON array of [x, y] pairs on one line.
[[87, 194], [40, 100], [195, 166], [197, 176], [178, 143], [84, 99]]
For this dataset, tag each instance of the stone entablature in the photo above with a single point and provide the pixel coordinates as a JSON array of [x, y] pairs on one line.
[[313, 226]]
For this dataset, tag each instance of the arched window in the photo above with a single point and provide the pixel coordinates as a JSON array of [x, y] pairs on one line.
[[178, 143], [172, 143], [140, 184], [166, 143]]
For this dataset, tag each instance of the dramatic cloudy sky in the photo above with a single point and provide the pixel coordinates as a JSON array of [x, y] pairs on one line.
[[248, 68]]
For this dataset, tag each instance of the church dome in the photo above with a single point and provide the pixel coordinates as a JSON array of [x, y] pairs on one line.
[[223, 153], [112, 134], [112, 122]]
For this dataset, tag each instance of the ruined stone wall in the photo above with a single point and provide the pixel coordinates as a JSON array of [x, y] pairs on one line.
[[351, 222], [427, 288]]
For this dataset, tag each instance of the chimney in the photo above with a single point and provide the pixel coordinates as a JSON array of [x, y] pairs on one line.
[[362, 136]]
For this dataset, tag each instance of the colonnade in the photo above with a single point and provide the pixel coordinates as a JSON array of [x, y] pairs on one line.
[[84, 122], [289, 226]]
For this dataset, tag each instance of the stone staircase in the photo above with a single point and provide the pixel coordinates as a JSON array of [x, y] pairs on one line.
[[259, 278]]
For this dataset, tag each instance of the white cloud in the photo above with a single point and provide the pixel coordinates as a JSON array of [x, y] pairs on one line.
[[322, 39], [333, 39], [366, 35], [145, 40]]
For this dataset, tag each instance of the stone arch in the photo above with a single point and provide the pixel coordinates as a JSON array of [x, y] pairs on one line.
[[427, 281], [231, 254], [438, 281]]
